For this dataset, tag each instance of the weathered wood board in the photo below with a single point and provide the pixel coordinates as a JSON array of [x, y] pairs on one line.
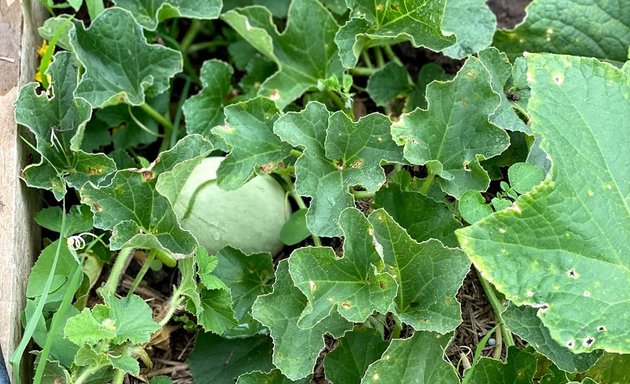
[[19, 237]]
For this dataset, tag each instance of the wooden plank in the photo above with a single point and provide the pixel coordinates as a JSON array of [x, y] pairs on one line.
[[19, 236]]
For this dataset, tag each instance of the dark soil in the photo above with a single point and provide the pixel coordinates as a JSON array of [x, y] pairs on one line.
[[509, 12]]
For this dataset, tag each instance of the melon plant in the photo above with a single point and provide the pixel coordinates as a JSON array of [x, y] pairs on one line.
[[249, 218], [435, 161]]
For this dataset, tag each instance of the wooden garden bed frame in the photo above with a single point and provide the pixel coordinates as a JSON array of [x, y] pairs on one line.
[[19, 236]]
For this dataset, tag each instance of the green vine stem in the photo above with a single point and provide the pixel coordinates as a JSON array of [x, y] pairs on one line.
[[88, 372], [142, 272], [163, 121], [58, 322], [426, 185], [362, 194], [380, 60], [362, 71], [109, 288], [193, 30], [180, 110], [173, 304], [366, 59], [119, 377], [497, 308], [389, 52], [290, 188]]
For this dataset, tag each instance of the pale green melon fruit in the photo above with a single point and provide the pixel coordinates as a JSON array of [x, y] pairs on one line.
[[249, 218]]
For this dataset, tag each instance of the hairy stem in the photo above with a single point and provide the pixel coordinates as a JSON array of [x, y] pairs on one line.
[[366, 59], [190, 36], [175, 301], [389, 52], [141, 273], [380, 60], [87, 373], [362, 194], [426, 185], [497, 308], [290, 188], [163, 121], [119, 377], [109, 288], [362, 71]]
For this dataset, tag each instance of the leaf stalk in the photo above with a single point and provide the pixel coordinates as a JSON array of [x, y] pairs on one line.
[[109, 288], [497, 308]]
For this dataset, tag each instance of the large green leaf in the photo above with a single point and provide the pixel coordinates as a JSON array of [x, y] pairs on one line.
[[149, 13], [62, 349], [57, 120], [422, 217], [278, 8], [131, 207], [351, 284], [338, 154], [428, 275], [610, 368], [418, 360], [120, 66], [473, 24], [56, 259], [563, 247], [454, 134], [295, 349], [378, 23], [118, 320], [254, 148], [523, 322], [354, 352], [219, 360], [388, 83], [519, 368], [303, 51], [595, 28], [210, 299], [204, 111], [500, 73], [247, 277], [272, 377], [215, 313]]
